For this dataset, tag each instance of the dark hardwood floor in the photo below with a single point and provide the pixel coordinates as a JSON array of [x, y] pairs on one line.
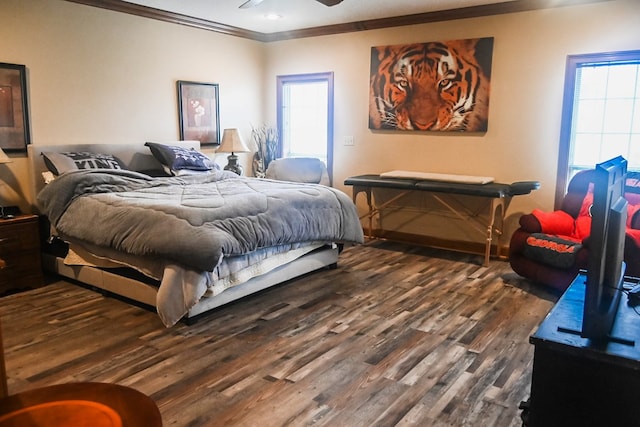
[[396, 335]]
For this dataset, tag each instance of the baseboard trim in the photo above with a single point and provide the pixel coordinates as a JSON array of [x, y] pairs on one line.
[[477, 248]]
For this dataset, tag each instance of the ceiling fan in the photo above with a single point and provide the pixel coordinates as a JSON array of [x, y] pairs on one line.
[[252, 3]]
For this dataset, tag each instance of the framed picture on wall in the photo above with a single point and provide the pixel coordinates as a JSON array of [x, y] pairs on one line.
[[440, 86], [14, 114], [198, 110]]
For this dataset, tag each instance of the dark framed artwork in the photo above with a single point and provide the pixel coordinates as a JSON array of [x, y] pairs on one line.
[[198, 109], [14, 114], [434, 86]]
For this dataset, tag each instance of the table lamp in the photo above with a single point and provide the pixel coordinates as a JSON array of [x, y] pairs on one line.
[[4, 159], [232, 143]]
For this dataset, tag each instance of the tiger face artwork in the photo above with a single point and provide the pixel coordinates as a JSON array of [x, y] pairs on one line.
[[435, 86]]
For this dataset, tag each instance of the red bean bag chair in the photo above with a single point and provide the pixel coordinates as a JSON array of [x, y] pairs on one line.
[[550, 248]]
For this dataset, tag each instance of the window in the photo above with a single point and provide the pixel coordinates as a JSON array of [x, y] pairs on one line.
[[305, 116], [601, 113]]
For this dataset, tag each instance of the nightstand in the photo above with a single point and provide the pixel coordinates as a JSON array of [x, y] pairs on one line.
[[20, 259]]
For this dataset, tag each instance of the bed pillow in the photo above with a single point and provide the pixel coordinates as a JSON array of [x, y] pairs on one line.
[[59, 163], [177, 158], [183, 172], [552, 250]]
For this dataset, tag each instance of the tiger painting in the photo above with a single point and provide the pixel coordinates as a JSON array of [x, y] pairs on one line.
[[435, 86]]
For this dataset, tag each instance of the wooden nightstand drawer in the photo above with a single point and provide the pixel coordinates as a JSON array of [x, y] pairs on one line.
[[18, 236], [23, 269], [20, 258]]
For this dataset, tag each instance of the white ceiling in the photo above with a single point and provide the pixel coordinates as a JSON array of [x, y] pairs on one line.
[[300, 14]]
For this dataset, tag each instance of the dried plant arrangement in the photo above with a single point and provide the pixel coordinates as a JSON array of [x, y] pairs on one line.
[[266, 140]]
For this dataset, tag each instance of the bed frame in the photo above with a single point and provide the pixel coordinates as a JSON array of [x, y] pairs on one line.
[[138, 157]]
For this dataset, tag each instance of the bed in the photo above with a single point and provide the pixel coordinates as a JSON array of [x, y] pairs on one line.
[[133, 220]]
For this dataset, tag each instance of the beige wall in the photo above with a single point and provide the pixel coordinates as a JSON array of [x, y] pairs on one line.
[[529, 56], [104, 77], [101, 76]]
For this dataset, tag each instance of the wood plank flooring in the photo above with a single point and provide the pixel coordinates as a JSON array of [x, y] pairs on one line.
[[397, 335]]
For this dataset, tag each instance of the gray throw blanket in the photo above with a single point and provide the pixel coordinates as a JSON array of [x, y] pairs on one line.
[[195, 220]]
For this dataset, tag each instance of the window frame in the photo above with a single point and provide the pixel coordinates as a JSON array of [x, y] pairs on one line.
[[307, 78], [572, 65]]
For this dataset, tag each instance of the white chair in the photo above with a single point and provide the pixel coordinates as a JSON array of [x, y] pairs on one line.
[[299, 169]]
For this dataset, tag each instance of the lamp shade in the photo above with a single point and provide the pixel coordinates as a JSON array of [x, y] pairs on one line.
[[232, 142], [4, 158]]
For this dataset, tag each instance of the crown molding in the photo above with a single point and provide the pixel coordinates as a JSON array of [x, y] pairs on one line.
[[174, 18], [428, 17], [373, 24]]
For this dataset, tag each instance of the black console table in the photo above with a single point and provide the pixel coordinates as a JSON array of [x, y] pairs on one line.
[[577, 382]]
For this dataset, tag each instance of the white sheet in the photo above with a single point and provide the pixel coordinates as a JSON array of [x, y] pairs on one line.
[[181, 288]]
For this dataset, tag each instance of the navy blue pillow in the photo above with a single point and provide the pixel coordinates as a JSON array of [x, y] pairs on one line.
[[178, 158]]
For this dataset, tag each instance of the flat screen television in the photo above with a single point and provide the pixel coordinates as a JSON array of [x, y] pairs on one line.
[[605, 265]]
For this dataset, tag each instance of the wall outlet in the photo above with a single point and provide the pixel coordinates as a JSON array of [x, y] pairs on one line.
[[347, 140]]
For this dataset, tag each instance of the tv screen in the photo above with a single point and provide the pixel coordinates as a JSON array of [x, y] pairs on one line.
[[605, 268]]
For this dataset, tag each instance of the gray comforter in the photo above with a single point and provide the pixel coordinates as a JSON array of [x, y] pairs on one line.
[[195, 220]]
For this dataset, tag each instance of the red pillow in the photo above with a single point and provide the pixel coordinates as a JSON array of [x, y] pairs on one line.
[[631, 211], [583, 227], [585, 209], [583, 221], [556, 222], [634, 235]]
